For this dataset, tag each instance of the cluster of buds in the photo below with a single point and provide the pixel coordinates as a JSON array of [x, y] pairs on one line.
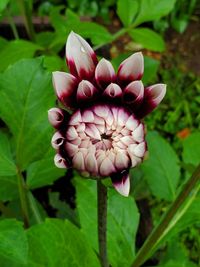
[[99, 130]]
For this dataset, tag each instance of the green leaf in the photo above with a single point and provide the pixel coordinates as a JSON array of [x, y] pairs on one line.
[[148, 39], [54, 63], [191, 149], [3, 4], [60, 243], [7, 165], [25, 96], [122, 225], [150, 70], [8, 188], [43, 172], [97, 33], [153, 10], [16, 50], [161, 169], [3, 42], [13, 242], [126, 10]]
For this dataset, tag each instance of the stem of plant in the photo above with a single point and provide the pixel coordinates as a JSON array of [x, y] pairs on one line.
[[27, 14], [149, 245], [12, 24], [102, 223], [23, 198]]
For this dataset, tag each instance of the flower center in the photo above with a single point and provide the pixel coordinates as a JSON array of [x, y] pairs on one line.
[[104, 139]]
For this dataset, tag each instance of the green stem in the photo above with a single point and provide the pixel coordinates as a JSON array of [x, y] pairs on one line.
[[102, 221], [27, 14], [23, 198], [149, 245], [12, 25], [34, 208]]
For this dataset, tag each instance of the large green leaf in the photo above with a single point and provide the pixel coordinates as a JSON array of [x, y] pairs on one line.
[[16, 50], [25, 96], [150, 70], [7, 165], [3, 4], [8, 188], [126, 10], [60, 243], [122, 225], [161, 169], [191, 149], [13, 242], [43, 172], [148, 39], [150, 10]]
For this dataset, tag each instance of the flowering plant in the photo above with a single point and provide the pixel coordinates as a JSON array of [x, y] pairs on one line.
[[104, 135]]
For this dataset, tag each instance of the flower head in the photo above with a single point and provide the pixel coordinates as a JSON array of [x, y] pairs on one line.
[[104, 135]]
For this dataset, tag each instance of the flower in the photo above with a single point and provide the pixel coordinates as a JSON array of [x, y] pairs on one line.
[[103, 135]]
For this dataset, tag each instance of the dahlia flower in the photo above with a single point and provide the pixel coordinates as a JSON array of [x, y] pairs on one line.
[[99, 131]]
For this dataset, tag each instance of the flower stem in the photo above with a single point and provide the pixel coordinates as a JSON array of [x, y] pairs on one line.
[[102, 220], [153, 239], [23, 198], [12, 24], [27, 14]]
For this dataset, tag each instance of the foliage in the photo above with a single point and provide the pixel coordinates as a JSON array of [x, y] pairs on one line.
[[26, 94]]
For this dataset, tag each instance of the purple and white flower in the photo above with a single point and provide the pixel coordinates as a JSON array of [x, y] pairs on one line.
[[104, 135]]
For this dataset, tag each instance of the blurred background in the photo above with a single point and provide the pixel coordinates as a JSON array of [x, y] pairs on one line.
[[33, 34]]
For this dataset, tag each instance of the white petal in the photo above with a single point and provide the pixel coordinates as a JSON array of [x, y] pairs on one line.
[[122, 186], [113, 91], [57, 140], [78, 161], [86, 91], [156, 92], [104, 73], [107, 167], [92, 131], [55, 116], [76, 118], [140, 149], [87, 116], [101, 111], [71, 133], [138, 133], [134, 93], [121, 161], [91, 163], [65, 87], [132, 68], [71, 149], [60, 162], [131, 123]]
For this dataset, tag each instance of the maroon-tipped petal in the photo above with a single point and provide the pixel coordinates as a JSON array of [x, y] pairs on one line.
[[86, 92], [56, 117], [104, 73], [153, 95], [131, 69], [65, 86], [113, 91], [81, 58], [133, 94], [121, 182]]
